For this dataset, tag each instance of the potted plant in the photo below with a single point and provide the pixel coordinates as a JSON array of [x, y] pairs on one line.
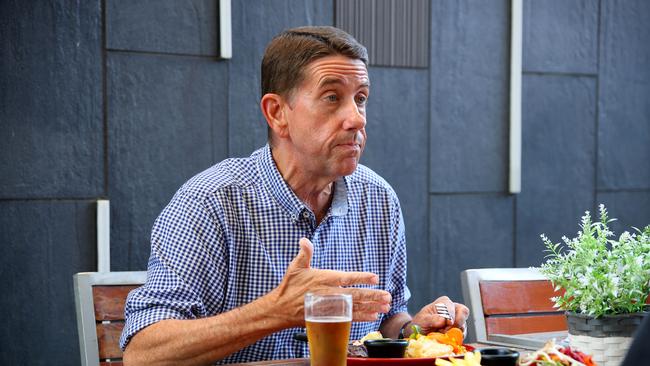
[[603, 285]]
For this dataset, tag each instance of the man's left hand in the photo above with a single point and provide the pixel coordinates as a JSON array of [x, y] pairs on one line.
[[430, 320]]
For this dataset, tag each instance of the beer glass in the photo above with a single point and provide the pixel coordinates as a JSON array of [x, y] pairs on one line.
[[328, 318]]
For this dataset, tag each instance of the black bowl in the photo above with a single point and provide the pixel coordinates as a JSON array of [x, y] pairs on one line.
[[499, 357], [386, 348]]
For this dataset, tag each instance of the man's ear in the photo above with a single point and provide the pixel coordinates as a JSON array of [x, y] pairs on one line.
[[274, 109]]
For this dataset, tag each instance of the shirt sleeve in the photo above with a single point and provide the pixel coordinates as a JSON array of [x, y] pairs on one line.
[[397, 282], [187, 256]]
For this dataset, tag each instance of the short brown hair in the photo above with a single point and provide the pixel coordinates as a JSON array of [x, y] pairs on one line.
[[289, 52]]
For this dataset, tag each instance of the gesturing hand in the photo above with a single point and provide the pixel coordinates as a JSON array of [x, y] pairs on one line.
[[301, 278]]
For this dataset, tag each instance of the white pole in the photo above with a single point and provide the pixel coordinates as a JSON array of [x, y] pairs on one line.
[[103, 236], [225, 29], [514, 177]]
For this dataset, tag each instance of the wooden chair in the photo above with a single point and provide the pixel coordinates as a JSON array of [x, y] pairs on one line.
[[511, 307], [99, 300]]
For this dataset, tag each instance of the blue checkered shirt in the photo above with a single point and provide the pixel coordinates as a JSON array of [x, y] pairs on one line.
[[229, 233]]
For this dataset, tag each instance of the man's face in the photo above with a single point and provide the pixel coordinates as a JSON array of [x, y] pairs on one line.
[[327, 116]]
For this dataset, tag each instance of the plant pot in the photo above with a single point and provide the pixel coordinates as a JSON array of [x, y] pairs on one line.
[[606, 338]]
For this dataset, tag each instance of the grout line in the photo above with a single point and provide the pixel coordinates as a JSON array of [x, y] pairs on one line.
[[500, 193], [559, 73], [50, 199], [514, 230], [427, 234], [105, 97], [597, 114], [153, 53], [469, 193], [622, 190], [513, 194]]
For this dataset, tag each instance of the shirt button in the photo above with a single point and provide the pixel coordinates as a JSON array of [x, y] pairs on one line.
[[305, 214]]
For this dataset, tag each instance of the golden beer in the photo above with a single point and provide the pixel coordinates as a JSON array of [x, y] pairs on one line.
[[328, 340], [328, 318]]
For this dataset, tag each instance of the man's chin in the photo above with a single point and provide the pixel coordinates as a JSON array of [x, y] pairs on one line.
[[349, 168]]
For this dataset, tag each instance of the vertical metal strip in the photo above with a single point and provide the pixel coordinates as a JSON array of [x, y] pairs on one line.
[[103, 236], [394, 31], [225, 29], [514, 178]]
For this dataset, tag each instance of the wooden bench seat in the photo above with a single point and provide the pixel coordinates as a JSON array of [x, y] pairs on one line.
[[99, 300], [511, 306]]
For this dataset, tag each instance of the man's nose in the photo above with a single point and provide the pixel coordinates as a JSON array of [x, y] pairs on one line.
[[355, 117]]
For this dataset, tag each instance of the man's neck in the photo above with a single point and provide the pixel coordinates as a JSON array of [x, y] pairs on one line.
[[314, 191]]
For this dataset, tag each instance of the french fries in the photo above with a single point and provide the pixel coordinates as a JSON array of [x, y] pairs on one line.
[[469, 359]]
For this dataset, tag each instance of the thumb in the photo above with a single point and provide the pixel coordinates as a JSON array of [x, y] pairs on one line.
[[303, 258]]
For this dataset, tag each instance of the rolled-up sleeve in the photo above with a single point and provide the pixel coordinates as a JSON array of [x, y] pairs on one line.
[[186, 266]]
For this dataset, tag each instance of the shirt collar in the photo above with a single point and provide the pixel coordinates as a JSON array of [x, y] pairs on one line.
[[287, 198]]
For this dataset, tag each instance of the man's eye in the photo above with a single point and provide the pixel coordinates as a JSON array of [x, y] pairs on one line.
[[362, 99], [332, 98]]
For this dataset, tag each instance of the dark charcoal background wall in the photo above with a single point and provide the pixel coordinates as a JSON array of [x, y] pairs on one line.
[[125, 101]]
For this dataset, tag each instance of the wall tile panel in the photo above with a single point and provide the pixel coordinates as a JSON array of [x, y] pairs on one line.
[[467, 231], [560, 36], [42, 244], [558, 160], [469, 96], [254, 24], [168, 26], [624, 96], [631, 209], [395, 151], [50, 100], [166, 122]]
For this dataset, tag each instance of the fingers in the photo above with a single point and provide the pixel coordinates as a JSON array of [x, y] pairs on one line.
[[368, 303], [462, 313], [368, 311], [345, 279], [436, 322], [360, 316], [370, 295], [303, 258], [431, 320], [450, 310]]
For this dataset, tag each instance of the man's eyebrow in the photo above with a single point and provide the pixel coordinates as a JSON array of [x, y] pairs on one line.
[[331, 81]]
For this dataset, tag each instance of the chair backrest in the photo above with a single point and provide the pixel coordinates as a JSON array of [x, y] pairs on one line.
[[99, 300], [509, 304]]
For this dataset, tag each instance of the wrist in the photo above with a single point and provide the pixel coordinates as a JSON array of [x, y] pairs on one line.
[[405, 330], [269, 308]]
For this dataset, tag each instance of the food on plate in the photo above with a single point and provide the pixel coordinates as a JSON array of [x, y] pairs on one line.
[[357, 349], [434, 344], [371, 336], [554, 355], [469, 359], [425, 346]]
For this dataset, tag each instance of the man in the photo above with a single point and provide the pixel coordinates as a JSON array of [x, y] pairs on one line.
[[239, 245]]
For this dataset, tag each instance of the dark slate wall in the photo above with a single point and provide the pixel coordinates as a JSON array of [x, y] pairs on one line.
[[126, 100], [51, 100], [558, 147]]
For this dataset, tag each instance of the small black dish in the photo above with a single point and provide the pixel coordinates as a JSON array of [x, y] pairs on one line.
[[386, 348], [499, 357]]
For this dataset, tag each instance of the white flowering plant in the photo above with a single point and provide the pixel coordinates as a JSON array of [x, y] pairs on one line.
[[600, 275]]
